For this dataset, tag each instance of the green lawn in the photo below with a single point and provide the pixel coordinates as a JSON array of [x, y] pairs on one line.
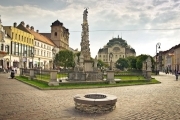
[[44, 84], [130, 77]]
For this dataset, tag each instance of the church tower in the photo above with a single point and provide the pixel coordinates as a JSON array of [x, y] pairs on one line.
[[60, 35]]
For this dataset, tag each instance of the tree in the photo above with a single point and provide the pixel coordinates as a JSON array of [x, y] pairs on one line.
[[64, 58], [101, 64], [122, 63], [132, 62], [141, 58]]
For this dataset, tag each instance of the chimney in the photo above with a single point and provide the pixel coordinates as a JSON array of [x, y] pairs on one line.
[[32, 28], [37, 31], [27, 26], [22, 23], [15, 24]]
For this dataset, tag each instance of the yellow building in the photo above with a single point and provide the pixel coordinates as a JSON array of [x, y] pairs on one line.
[[21, 44]]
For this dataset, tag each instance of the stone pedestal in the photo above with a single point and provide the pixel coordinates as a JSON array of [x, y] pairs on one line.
[[31, 75], [110, 77], [148, 75], [88, 65], [144, 73], [53, 79], [77, 76]]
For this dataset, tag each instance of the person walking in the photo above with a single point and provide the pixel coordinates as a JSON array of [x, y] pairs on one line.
[[176, 74]]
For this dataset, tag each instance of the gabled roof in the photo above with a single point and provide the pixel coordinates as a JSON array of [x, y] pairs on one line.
[[37, 35]]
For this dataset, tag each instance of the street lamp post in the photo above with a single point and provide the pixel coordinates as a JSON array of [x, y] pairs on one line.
[[157, 47], [32, 55], [53, 56], [110, 58]]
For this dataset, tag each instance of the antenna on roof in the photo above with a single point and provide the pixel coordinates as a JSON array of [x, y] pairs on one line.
[[121, 35]]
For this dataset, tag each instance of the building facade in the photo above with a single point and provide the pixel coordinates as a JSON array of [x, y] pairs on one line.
[[21, 46], [118, 47], [4, 48], [42, 55]]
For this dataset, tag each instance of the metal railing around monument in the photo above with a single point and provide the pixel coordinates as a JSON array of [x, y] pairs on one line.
[[42, 74], [63, 74]]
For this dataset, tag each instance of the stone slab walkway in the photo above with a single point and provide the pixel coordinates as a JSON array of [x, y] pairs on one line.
[[19, 101]]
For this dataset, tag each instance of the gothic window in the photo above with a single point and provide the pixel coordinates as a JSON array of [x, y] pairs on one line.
[[55, 34]]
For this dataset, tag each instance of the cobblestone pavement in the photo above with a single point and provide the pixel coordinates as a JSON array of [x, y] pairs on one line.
[[19, 101]]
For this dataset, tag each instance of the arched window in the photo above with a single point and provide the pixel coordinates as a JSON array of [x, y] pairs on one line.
[[55, 34]]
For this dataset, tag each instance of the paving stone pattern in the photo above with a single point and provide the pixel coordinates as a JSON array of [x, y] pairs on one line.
[[19, 101]]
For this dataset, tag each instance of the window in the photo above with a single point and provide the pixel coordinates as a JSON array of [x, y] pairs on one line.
[[19, 37], [55, 34], [2, 47], [7, 48]]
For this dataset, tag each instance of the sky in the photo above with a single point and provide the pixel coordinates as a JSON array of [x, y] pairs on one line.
[[142, 23]]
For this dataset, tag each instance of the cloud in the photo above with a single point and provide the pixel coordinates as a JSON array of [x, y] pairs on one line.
[[107, 19]]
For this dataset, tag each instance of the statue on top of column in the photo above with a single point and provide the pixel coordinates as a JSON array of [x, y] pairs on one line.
[[85, 15]]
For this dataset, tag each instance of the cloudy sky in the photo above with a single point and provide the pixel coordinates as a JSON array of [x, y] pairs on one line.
[[142, 23]]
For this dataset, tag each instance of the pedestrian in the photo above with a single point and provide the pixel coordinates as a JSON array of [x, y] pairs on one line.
[[12, 74], [176, 74]]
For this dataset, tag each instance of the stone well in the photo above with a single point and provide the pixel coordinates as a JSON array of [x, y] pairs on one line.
[[95, 102]]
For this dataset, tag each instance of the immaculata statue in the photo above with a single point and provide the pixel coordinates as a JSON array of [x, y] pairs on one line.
[[85, 15]]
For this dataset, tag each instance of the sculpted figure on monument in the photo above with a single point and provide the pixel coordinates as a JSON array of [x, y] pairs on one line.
[[85, 15], [76, 61]]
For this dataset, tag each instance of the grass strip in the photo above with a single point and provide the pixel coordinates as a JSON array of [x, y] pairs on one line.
[[83, 85]]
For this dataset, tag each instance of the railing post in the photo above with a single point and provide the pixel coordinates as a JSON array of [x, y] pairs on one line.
[[31, 75], [53, 78]]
